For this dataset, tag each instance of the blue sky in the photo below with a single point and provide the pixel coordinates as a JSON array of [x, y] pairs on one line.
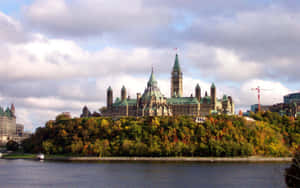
[[13, 7], [59, 55]]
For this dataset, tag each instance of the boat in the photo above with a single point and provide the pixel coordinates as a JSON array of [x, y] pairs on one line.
[[41, 156]]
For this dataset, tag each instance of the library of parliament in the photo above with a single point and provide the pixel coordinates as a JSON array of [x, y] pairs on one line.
[[153, 103]]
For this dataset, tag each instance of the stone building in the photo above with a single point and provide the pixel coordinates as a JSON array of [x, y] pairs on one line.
[[8, 126], [153, 103], [9, 129]]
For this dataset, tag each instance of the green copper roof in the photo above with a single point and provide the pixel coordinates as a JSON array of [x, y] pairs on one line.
[[7, 112], [152, 90], [206, 99], [176, 66], [152, 81], [213, 85], [129, 102], [109, 89], [198, 86], [182, 100]]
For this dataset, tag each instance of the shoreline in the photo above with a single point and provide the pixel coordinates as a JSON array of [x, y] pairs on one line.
[[177, 159], [250, 159]]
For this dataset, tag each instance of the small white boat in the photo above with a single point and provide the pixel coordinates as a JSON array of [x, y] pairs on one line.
[[41, 156]]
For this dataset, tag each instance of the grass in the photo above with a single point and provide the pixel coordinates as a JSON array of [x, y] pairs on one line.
[[19, 156]]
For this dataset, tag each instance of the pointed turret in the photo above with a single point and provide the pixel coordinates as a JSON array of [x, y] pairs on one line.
[[152, 81], [176, 66], [109, 96], [13, 110], [123, 93], [152, 90], [213, 95], [176, 79], [198, 92]]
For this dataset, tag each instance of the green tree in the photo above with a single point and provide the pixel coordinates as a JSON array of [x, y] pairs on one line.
[[12, 145], [48, 147], [101, 148]]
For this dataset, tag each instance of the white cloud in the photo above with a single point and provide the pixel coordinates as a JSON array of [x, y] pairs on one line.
[[50, 72], [271, 92], [93, 17], [11, 30], [221, 63]]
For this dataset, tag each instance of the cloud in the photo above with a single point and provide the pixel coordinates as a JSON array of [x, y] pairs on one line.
[[47, 65], [11, 30], [53, 59], [272, 92], [268, 37], [262, 35], [222, 64], [93, 17]]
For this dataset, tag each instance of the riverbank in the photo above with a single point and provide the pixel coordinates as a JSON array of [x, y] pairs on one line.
[[177, 159], [252, 159], [18, 156]]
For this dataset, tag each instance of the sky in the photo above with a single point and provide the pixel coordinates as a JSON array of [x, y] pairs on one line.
[[59, 55]]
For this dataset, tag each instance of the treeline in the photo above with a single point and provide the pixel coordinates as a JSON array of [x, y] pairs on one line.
[[168, 136]]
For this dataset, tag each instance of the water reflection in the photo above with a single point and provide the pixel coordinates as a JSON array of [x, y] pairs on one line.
[[26, 173]]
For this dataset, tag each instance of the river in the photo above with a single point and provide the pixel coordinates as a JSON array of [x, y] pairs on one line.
[[29, 173]]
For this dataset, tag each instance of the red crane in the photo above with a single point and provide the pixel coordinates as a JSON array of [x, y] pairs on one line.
[[258, 89]]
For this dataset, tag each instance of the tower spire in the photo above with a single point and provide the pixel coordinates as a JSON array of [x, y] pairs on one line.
[[176, 79], [152, 80], [176, 66]]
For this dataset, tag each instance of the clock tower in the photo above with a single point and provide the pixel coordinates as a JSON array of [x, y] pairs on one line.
[[176, 80]]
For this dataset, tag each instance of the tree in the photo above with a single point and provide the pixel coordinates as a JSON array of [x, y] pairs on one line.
[[101, 147], [63, 116], [48, 147], [103, 109], [12, 145], [292, 174], [220, 135]]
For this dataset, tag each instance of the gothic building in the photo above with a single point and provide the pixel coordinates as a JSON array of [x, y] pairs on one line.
[[9, 129], [153, 103]]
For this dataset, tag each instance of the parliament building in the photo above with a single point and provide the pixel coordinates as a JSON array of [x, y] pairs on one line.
[[153, 103]]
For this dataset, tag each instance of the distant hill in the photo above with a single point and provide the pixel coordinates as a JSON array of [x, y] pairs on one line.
[[221, 135]]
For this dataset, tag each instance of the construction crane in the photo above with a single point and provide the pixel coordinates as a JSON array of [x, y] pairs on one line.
[[258, 89]]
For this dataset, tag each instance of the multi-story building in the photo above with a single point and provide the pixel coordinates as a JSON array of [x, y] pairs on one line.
[[153, 103], [9, 129], [8, 126], [289, 107]]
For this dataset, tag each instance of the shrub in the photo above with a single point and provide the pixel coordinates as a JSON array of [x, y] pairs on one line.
[[12, 145]]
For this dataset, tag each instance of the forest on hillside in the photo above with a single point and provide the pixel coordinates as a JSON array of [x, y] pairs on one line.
[[222, 135]]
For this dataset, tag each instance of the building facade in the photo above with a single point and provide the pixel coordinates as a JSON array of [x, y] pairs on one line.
[[289, 107], [153, 103], [9, 129], [8, 125]]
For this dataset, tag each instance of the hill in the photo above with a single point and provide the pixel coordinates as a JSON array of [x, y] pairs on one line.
[[222, 136]]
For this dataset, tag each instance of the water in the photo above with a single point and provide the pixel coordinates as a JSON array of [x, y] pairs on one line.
[[27, 173]]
